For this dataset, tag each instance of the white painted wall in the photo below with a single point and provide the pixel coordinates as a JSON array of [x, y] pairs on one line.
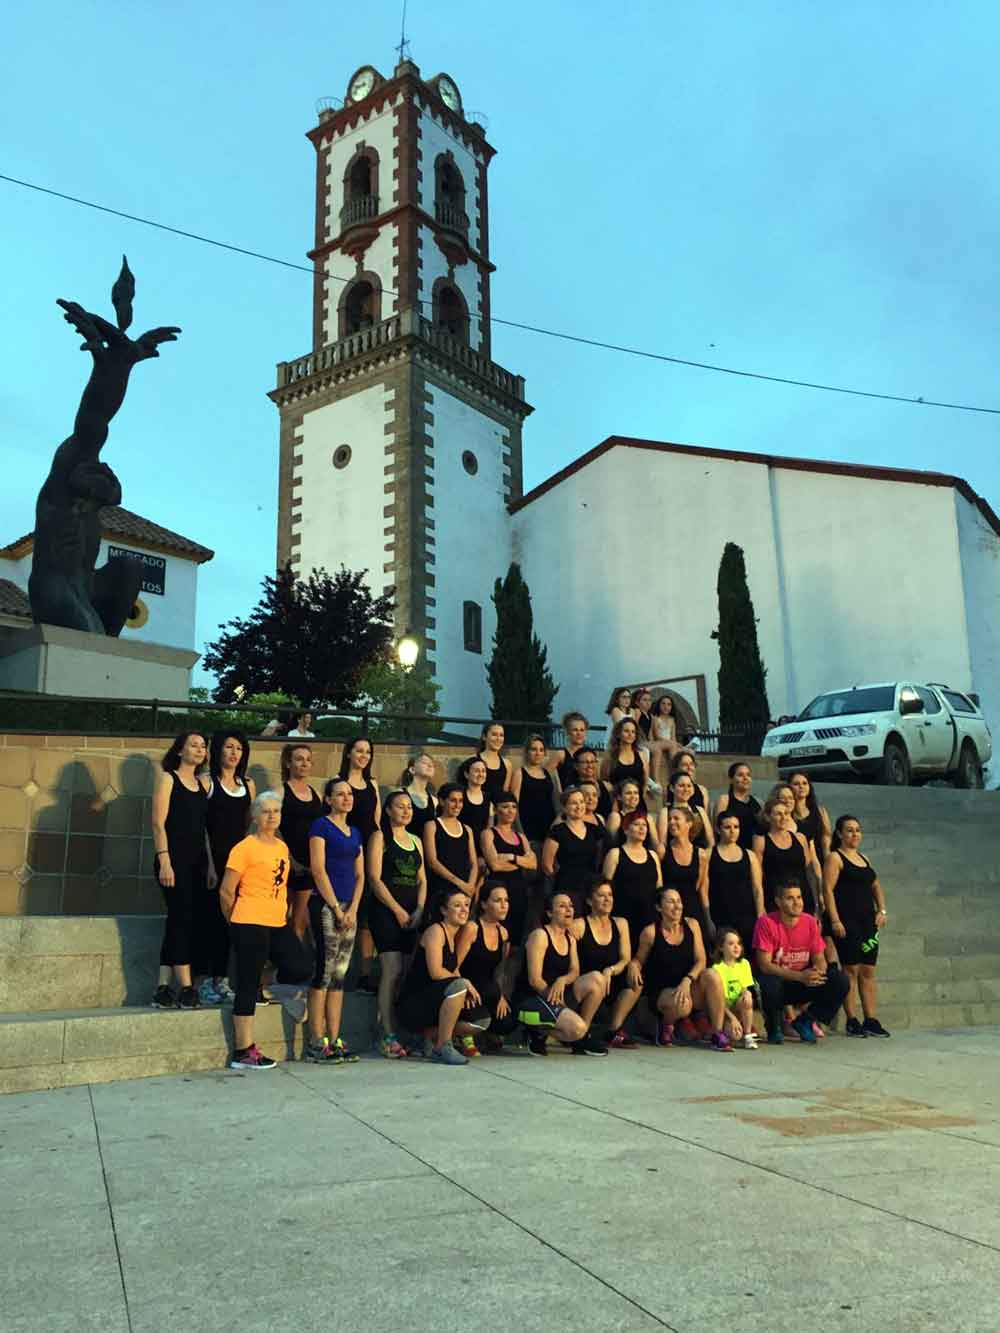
[[472, 549], [979, 547], [16, 570], [466, 278], [852, 579], [342, 269], [435, 139], [378, 131], [341, 514]]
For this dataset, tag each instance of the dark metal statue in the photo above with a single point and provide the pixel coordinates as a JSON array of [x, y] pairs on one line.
[[64, 587]]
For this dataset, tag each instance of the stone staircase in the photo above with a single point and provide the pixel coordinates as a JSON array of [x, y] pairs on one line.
[[937, 852], [74, 996]]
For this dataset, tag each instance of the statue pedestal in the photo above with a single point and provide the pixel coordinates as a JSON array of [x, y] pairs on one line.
[[47, 659]]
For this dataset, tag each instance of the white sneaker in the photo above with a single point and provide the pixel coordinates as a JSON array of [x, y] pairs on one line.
[[749, 1042]]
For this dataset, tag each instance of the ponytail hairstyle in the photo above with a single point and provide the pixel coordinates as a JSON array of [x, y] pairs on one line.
[[286, 756], [731, 772], [345, 758], [219, 739], [435, 915], [171, 761], [448, 789], [385, 823], [406, 777], [838, 831]]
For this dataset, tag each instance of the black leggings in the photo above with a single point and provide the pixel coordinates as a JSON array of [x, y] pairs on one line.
[[211, 935], [253, 946], [178, 932], [822, 1001]]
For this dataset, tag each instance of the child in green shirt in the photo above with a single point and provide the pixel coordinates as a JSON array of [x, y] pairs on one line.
[[737, 979]]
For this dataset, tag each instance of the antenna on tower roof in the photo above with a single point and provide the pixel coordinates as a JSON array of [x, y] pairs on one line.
[[403, 49]]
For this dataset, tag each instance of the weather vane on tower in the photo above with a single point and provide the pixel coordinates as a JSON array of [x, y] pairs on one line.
[[403, 49]]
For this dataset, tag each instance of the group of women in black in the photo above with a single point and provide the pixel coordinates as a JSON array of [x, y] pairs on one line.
[[532, 895]]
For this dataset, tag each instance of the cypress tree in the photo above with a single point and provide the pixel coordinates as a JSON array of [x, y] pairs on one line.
[[743, 702], [519, 678]]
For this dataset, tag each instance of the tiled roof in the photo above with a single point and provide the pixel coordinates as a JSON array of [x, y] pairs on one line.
[[129, 527], [13, 602]]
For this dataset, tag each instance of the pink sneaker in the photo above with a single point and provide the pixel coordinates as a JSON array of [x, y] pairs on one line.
[[251, 1058], [820, 1034], [720, 1042], [665, 1036]]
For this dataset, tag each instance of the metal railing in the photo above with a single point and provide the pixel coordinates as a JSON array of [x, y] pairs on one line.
[[451, 216], [361, 209]]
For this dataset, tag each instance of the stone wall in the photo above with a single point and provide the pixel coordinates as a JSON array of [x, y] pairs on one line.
[[75, 834]]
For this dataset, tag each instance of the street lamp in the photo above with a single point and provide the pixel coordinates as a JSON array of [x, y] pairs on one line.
[[407, 650]]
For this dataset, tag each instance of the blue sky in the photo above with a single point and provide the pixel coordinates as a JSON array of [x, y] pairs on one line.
[[800, 189]]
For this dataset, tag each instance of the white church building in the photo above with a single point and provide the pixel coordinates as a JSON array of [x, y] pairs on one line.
[[400, 453]]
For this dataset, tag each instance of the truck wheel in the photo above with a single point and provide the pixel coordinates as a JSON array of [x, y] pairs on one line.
[[970, 771], [895, 766]]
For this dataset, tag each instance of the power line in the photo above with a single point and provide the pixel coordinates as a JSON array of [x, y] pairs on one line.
[[511, 323]]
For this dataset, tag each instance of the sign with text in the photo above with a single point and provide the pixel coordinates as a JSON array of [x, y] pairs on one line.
[[154, 568]]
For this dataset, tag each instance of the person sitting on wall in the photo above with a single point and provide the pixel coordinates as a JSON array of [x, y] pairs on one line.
[[791, 967], [303, 727]]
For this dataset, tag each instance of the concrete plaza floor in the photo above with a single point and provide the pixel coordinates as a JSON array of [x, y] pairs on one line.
[[853, 1185]]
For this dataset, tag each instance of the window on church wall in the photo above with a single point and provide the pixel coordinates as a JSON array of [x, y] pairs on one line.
[[449, 200], [360, 308], [360, 190], [472, 627], [450, 312]]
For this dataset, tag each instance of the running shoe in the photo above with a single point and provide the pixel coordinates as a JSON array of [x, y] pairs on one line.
[[665, 1034], [621, 1041], [251, 1058], [749, 1042], [803, 1026], [853, 1028], [537, 1043], [389, 1047], [342, 1052], [208, 996], [447, 1055], [164, 998], [818, 1032], [588, 1046], [225, 990], [188, 998], [720, 1042], [791, 1031], [320, 1053], [873, 1028], [467, 1046]]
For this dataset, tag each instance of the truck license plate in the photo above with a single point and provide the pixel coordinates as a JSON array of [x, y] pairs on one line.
[[808, 749]]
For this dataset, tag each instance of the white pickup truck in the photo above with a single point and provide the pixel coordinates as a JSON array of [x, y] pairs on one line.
[[897, 733]]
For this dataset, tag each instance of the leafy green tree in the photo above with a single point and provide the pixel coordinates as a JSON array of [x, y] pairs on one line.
[[743, 705], [520, 680], [401, 692], [310, 639]]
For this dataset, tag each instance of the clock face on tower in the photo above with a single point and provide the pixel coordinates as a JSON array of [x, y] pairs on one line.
[[361, 85], [449, 93]]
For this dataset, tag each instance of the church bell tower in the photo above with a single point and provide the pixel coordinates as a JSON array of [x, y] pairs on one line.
[[400, 442]]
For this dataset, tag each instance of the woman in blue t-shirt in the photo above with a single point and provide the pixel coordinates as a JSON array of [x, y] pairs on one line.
[[338, 874]]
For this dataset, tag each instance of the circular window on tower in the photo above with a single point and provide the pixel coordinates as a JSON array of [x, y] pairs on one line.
[[342, 455], [470, 462]]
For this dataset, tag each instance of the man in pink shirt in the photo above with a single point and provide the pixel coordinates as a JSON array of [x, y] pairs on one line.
[[791, 965]]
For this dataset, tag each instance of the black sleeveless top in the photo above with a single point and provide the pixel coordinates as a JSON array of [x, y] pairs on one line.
[[634, 888], [668, 963], [227, 817], [854, 895], [510, 873], [576, 858], [422, 814], [453, 853], [497, 779], [786, 863], [185, 824], [730, 893], [297, 818], [747, 812], [566, 767], [644, 723], [480, 963], [418, 978], [811, 827], [535, 808], [619, 772], [401, 870], [362, 813], [594, 956], [605, 801], [476, 817], [684, 879], [554, 964]]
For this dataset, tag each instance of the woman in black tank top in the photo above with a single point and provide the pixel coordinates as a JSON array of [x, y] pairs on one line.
[[810, 817], [476, 806], [433, 996], [510, 859], [301, 806], [685, 866], [856, 905], [634, 873], [398, 885], [552, 974], [449, 853], [575, 727], [670, 968], [491, 743], [735, 886], [604, 951], [227, 819], [784, 854], [535, 792], [180, 861], [623, 759], [416, 782], [484, 959], [740, 801]]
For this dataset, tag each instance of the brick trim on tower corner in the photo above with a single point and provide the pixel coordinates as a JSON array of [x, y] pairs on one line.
[[320, 280], [406, 197], [483, 235]]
